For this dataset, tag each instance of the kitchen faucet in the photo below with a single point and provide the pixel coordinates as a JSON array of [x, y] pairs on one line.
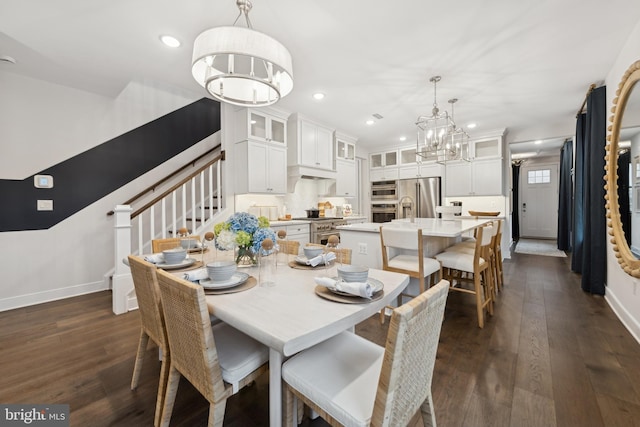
[[412, 206]]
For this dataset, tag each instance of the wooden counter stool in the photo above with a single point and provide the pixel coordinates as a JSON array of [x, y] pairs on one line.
[[460, 268], [395, 243]]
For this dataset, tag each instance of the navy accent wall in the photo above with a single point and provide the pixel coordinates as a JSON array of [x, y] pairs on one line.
[[89, 176]]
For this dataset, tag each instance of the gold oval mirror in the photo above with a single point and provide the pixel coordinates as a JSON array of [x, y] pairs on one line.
[[621, 247]]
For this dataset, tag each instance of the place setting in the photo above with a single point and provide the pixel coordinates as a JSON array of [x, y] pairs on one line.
[[221, 277], [351, 286], [313, 257], [173, 259]]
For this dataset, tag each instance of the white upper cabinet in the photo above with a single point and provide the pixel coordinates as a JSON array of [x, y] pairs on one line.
[[383, 166], [346, 180], [260, 168], [265, 125], [310, 143], [345, 147], [487, 148]]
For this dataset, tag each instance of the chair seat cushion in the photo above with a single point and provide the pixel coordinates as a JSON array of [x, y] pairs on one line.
[[462, 248], [458, 260], [238, 354], [410, 262], [340, 375]]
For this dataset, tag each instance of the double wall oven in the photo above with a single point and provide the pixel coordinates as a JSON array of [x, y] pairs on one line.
[[384, 201]]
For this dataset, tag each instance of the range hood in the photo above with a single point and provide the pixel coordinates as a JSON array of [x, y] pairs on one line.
[[295, 173]]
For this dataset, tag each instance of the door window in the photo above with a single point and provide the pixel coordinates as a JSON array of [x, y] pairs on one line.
[[541, 176]]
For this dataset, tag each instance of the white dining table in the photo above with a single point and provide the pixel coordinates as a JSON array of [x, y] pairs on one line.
[[289, 317]]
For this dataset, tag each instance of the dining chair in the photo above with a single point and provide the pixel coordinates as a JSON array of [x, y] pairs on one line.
[[152, 325], [461, 268], [350, 381], [291, 247], [159, 245], [402, 252], [217, 360], [345, 253]]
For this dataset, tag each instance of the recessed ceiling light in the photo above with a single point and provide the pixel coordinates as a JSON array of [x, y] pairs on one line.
[[471, 125], [170, 41], [370, 122], [318, 96], [538, 142], [403, 138]]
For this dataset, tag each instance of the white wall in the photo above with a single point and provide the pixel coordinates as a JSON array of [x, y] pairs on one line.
[[623, 293], [42, 124]]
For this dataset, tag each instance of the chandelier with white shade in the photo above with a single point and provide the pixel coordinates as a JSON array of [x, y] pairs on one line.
[[241, 66]]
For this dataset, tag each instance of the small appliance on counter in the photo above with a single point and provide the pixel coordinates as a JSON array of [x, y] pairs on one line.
[[449, 212], [270, 212]]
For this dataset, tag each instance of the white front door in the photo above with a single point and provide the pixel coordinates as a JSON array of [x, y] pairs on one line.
[[539, 201]]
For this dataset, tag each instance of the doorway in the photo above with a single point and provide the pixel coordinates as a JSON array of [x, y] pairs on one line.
[[539, 201]]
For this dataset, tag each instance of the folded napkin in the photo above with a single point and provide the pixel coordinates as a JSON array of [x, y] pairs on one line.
[[195, 275], [361, 289], [322, 258], [154, 258]]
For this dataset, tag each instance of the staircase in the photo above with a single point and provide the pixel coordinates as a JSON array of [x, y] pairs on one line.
[[195, 202]]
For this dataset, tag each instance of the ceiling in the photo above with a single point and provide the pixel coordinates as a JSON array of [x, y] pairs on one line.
[[521, 65]]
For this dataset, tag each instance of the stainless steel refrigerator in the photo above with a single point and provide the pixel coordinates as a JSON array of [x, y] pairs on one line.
[[419, 197]]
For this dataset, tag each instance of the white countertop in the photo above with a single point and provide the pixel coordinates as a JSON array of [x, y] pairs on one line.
[[429, 226], [288, 222]]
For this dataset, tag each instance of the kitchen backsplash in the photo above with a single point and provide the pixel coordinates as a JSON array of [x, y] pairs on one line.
[[304, 197]]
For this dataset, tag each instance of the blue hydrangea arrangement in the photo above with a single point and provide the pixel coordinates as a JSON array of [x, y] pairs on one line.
[[244, 231]]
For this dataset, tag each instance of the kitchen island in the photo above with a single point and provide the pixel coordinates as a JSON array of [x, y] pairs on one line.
[[438, 234]]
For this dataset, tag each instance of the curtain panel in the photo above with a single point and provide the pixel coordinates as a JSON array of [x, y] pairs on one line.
[[565, 197], [590, 253]]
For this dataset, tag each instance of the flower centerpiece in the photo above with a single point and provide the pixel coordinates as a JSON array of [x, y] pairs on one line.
[[243, 233]]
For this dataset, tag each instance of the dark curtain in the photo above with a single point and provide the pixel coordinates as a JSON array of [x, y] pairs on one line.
[[565, 197], [590, 253], [624, 160], [578, 198], [515, 219]]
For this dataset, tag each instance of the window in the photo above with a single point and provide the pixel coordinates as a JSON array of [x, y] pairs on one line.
[[542, 176]]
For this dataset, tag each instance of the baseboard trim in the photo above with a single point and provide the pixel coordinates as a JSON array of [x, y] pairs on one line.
[[51, 295], [625, 317]]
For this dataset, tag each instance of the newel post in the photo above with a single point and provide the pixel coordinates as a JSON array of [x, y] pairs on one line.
[[122, 280]]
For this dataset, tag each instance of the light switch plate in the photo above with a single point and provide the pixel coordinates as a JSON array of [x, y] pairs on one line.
[[45, 205]]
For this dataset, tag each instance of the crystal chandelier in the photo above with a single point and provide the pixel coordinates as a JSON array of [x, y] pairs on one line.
[[433, 130], [242, 66], [456, 142]]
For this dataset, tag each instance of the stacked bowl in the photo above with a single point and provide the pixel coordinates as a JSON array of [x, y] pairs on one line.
[[220, 271], [312, 251], [353, 273], [174, 256], [189, 243]]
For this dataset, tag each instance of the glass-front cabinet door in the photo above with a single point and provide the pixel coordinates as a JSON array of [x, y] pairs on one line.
[[258, 124]]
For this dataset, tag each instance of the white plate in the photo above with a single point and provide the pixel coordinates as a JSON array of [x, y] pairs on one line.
[[184, 263], [238, 278], [301, 259], [376, 286]]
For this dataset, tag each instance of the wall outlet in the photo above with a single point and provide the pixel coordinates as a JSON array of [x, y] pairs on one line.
[[45, 205], [362, 248]]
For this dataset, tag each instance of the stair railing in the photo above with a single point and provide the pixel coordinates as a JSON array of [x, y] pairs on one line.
[[193, 203]]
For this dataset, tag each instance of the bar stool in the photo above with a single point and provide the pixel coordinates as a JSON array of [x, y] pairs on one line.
[[395, 243], [461, 267]]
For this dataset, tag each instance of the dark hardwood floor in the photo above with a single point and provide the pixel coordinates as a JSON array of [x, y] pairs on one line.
[[551, 356]]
